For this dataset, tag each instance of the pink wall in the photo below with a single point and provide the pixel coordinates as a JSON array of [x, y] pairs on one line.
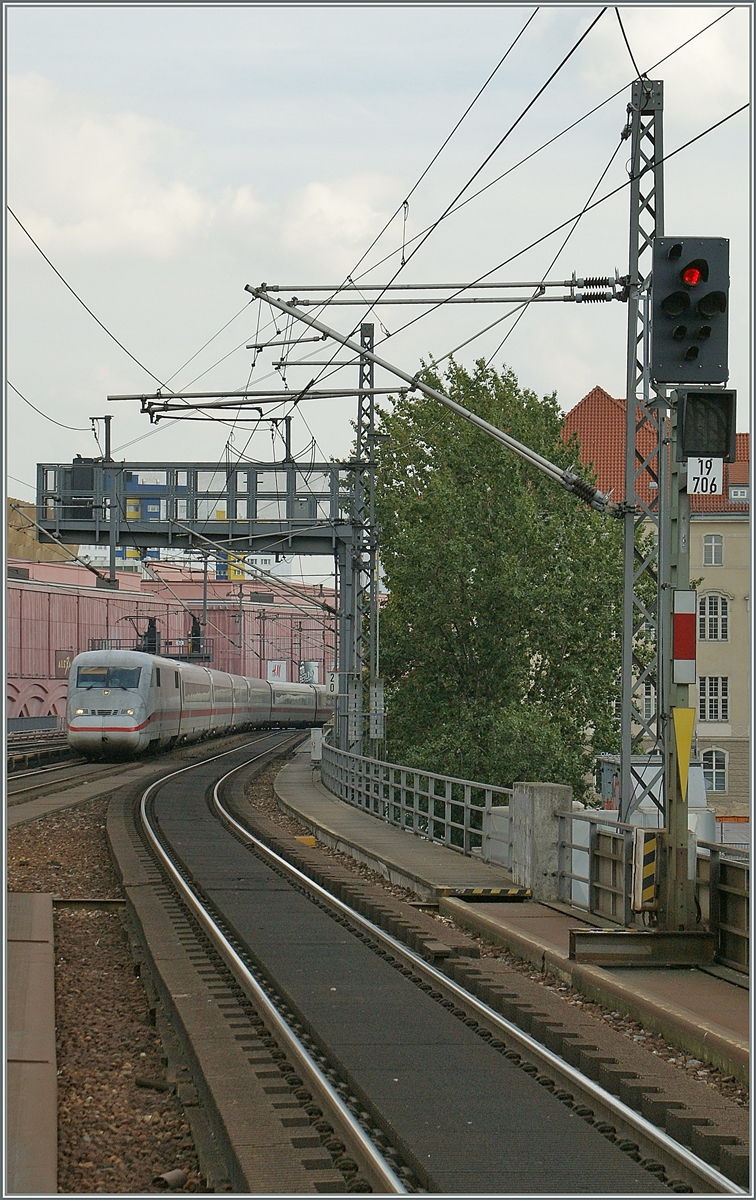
[[58, 608]]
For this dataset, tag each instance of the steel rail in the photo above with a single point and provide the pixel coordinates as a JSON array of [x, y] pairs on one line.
[[662, 1141], [388, 1179], [61, 766]]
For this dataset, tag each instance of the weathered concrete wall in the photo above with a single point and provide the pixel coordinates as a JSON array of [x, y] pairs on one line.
[[535, 835]]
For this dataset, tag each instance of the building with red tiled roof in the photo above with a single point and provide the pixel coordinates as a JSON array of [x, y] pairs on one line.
[[720, 563]]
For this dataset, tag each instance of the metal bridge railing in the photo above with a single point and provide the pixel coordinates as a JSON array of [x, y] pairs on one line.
[[596, 874], [596, 865], [438, 808], [723, 891]]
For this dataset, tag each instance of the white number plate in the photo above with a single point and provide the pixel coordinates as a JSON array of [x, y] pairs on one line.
[[705, 476]]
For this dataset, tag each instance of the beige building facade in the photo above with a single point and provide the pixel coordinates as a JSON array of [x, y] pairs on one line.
[[720, 571], [720, 566]]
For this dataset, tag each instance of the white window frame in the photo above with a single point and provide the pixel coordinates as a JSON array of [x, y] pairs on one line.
[[713, 543], [717, 769], [713, 617], [714, 698]]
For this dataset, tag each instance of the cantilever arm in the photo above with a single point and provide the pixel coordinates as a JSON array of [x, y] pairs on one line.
[[564, 477]]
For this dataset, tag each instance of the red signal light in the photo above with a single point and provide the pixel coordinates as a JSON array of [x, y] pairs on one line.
[[691, 276]]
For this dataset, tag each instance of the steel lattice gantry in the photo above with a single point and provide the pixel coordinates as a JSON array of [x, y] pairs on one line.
[[646, 468], [241, 509]]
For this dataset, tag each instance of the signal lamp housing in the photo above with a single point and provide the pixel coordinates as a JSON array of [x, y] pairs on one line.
[[689, 301], [706, 423]]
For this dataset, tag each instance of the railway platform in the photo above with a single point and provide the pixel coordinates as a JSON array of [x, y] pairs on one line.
[[706, 1011], [32, 1095]]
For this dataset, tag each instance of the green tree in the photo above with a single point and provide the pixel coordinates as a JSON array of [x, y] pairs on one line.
[[500, 637]]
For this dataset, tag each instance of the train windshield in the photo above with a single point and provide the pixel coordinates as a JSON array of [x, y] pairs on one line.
[[108, 677]]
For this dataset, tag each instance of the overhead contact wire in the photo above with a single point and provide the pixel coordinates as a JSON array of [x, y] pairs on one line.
[[555, 138], [563, 224], [460, 193]]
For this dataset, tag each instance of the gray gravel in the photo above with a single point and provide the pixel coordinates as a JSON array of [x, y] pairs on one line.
[[115, 1136]]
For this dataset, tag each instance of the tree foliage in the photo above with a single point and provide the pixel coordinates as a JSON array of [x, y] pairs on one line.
[[500, 637]]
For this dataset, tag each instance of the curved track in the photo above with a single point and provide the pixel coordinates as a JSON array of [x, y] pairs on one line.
[[429, 1087]]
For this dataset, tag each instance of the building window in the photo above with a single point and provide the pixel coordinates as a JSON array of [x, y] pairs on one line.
[[714, 698], [715, 770], [649, 700], [739, 491], [713, 618], [712, 548]]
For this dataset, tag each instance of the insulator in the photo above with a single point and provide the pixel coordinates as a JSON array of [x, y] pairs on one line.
[[586, 491], [597, 297], [598, 281]]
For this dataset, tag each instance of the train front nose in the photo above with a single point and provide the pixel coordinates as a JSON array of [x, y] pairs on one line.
[[103, 734]]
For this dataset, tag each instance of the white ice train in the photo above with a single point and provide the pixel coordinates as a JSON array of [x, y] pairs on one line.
[[122, 703]]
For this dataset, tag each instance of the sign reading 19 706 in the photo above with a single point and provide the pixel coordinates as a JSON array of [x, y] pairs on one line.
[[705, 476]]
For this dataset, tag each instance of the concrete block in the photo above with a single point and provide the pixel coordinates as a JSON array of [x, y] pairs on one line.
[[734, 1162], [535, 836]]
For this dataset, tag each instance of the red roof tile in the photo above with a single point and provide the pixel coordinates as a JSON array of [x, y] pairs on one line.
[[599, 422]]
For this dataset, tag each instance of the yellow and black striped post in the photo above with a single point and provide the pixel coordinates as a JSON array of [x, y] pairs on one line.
[[645, 858]]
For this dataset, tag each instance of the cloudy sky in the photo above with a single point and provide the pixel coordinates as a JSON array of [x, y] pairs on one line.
[[165, 156]]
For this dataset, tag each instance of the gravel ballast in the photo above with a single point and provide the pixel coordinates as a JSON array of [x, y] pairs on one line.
[[119, 1129], [118, 1126]]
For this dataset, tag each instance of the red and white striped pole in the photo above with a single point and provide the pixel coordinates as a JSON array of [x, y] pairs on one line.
[[684, 637]]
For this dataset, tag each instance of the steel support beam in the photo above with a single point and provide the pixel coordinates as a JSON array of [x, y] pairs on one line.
[[643, 726]]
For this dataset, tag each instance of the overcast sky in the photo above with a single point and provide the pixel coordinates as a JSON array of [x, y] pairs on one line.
[[165, 156]]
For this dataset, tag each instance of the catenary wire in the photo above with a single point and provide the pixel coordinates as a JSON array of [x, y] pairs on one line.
[[209, 340], [75, 428], [521, 309], [443, 145], [568, 222], [569, 234], [563, 224], [322, 307], [624, 35], [501, 141], [551, 140], [95, 318], [76, 296]]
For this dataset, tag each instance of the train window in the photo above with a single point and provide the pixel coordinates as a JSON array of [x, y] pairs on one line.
[[176, 678], [92, 677], [157, 676], [108, 677]]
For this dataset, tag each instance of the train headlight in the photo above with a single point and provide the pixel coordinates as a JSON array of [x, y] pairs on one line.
[[129, 712], [79, 712]]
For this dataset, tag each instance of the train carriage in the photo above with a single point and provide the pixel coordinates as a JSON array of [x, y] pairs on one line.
[[122, 703]]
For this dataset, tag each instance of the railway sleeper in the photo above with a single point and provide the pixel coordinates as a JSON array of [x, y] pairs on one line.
[[580, 1038]]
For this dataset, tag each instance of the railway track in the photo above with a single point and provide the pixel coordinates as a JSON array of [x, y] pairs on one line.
[[22, 785], [25, 749], [369, 1067]]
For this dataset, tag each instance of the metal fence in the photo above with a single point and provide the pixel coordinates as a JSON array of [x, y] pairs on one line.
[[596, 864], [596, 871], [438, 808], [723, 891]]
